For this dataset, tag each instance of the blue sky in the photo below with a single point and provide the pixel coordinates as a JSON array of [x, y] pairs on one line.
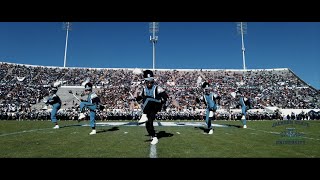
[[181, 45]]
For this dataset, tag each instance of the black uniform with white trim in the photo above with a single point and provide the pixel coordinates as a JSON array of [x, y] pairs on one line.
[[154, 99]]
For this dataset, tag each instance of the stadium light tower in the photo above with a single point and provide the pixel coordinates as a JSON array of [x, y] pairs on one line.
[[242, 29], [67, 27], [153, 28]]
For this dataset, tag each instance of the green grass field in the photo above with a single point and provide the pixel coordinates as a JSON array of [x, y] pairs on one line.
[[262, 139]]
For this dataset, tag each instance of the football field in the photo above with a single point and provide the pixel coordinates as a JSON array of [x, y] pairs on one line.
[[177, 139]]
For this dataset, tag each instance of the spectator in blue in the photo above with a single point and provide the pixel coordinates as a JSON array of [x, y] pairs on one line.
[[211, 101], [92, 103], [55, 102]]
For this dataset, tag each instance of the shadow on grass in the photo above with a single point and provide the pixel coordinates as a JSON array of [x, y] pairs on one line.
[[232, 125], [205, 130], [106, 130], [71, 125], [160, 134]]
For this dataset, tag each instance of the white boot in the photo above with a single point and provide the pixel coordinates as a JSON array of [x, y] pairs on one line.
[[93, 132], [56, 127], [154, 140], [143, 119], [211, 114], [81, 116]]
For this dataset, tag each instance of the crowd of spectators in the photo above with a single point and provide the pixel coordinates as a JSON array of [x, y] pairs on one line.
[[23, 86]]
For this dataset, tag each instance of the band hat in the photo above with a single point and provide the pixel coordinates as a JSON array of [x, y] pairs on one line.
[[148, 75]]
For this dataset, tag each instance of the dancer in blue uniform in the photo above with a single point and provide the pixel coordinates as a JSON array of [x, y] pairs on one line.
[[154, 99], [245, 104], [92, 103], [211, 101], [55, 102]]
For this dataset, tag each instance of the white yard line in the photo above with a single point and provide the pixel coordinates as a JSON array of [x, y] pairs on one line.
[[28, 131], [153, 151]]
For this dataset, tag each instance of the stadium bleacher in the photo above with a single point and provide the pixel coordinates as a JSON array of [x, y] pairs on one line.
[[23, 88]]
